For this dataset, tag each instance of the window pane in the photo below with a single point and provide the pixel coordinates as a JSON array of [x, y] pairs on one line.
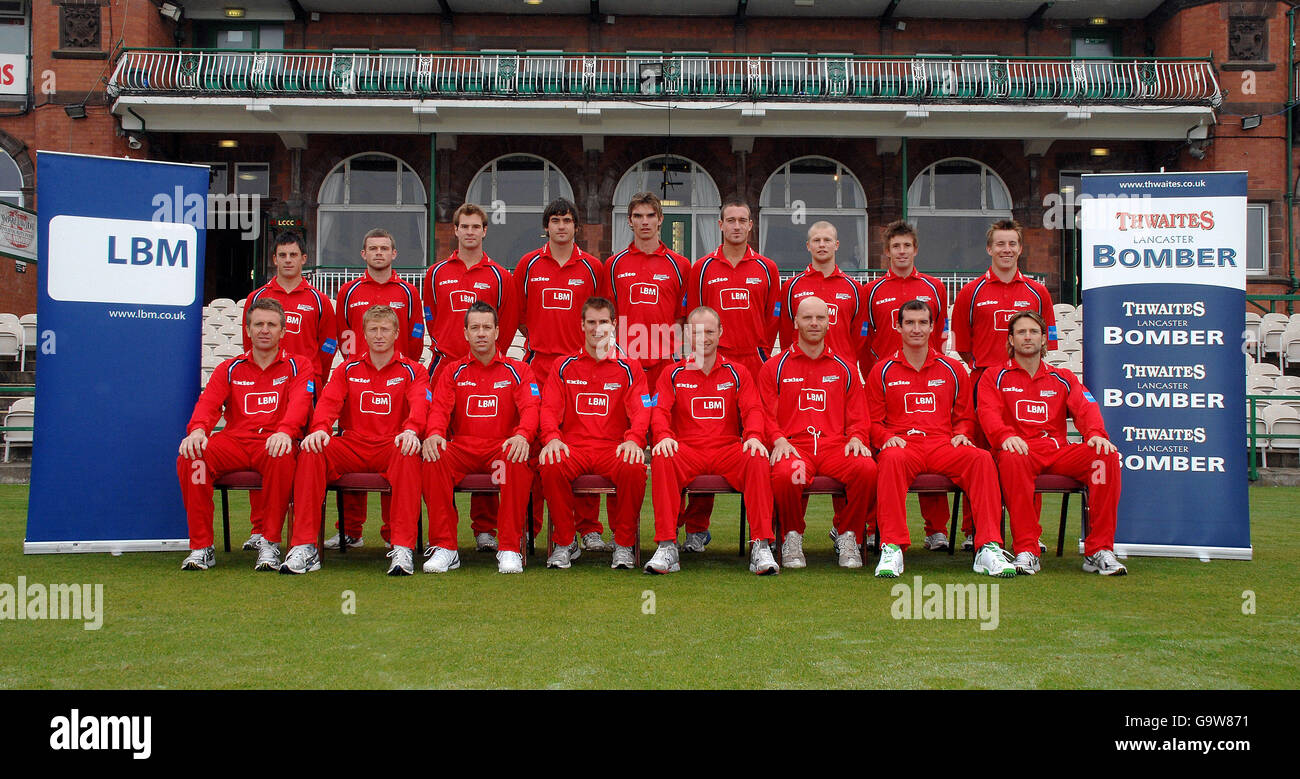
[[341, 233], [480, 190], [786, 242], [412, 188], [919, 195], [271, 37], [957, 185], [253, 179], [13, 38], [12, 198], [521, 233], [331, 192], [774, 192], [218, 179], [235, 39], [1256, 241], [706, 236], [996, 196], [952, 242], [10, 176], [814, 182], [851, 194], [372, 180]]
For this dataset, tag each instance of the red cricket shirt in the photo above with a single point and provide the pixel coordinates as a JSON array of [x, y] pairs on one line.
[[589, 401], [823, 393], [309, 328], [358, 295], [374, 404], [745, 296], [1013, 403], [842, 295], [493, 401], [708, 410], [983, 310], [257, 402], [883, 297], [935, 400], [450, 287], [649, 292], [551, 297]]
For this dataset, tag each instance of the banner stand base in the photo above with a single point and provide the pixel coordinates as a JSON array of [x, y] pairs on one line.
[[1202, 553], [112, 547]]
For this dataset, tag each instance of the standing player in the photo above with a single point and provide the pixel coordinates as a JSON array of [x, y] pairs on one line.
[[882, 298], [549, 282], [381, 400], [378, 286], [984, 307], [810, 393], [486, 404], [705, 405], [1022, 408], [744, 287], [265, 395], [309, 331], [922, 421], [647, 284], [595, 413], [449, 288]]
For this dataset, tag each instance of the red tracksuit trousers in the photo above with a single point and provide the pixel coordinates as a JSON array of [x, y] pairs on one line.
[[825, 457], [464, 456], [227, 453], [629, 481], [343, 456], [969, 466], [743, 471], [1078, 461]]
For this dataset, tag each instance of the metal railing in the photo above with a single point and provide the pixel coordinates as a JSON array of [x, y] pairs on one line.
[[695, 77]]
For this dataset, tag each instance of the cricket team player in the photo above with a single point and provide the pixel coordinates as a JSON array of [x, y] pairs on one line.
[[265, 396], [708, 420], [482, 419]]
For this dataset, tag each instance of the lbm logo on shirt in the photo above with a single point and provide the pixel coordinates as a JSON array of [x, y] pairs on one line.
[[292, 322], [261, 402], [835, 312], [592, 404], [707, 408], [376, 402], [643, 294], [734, 298], [1002, 318], [481, 406], [919, 403], [462, 300], [812, 400], [1031, 411], [557, 298]]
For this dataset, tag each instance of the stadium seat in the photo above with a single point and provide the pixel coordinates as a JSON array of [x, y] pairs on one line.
[[1252, 330], [11, 343], [483, 484], [21, 414], [1290, 344], [222, 304], [1261, 435], [590, 484], [227, 351], [1264, 369], [717, 485], [1282, 420], [232, 332], [363, 483], [28, 321], [1271, 327], [1286, 385], [1063, 309]]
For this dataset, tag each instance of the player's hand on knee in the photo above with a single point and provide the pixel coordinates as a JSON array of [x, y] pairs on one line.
[[407, 442], [554, 451], [629, 452], [781, 449], [192, 445], [1102, 445], [316, 442], [667, 447], [754, 447], [434, 446], [1015, 444], [856, 447], [279, 444], [896, 441], [516, 448], [961, 440]]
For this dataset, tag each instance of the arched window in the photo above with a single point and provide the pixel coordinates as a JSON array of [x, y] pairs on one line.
[[952, 203], [514, 191], [11, 181], [367, 191], [808, 190], [690, 201]]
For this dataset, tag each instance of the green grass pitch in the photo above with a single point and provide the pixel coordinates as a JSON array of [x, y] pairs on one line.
[[1172, 623]]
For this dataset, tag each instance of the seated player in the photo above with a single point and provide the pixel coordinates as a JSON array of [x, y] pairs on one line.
[[594, 416], [922, 422], [266, 396], [817, 418], [704, 406], [1022, 407], [380, 400], [486, 404]]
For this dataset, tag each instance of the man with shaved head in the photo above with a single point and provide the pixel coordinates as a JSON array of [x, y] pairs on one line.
[[818, 423]]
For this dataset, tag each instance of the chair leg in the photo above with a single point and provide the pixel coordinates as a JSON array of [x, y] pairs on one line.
[[952, 531], [1060, 535], [338, 501], [1084, 519], [225, 517], [419, 532], [744, 528], [320, 537]]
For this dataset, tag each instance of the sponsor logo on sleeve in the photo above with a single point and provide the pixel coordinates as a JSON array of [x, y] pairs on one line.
[[533, 387], [649, 401]]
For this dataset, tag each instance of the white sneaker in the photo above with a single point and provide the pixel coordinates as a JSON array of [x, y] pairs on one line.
[[510, 562], [937, 542], [441, 560], [968, 544], [761, 560], [592, 542], [891, 562], [623, 558], [403, 561], [695, 542], [1027, 563], [301, 559], [993, 561], [1105, 563], [847, 547], [485, 542], [563, 556], [200, 559], [665, 559], [792, 551], [353, 543], [254, 542], [268, 557]]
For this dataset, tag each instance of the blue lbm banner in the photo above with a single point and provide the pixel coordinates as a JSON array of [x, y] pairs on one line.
[[119, 274], [1164, 298]]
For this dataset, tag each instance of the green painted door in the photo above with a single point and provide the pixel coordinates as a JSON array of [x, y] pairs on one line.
[[676, 233]]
